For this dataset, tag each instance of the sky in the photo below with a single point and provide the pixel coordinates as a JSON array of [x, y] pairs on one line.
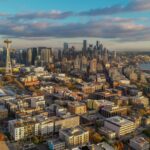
[[118, 24]]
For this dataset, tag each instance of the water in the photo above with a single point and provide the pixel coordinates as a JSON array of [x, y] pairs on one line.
[[145, 66]]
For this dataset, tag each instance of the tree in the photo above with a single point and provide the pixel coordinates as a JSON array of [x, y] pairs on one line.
[[2, 137], [119, 146], [35, 140], [97, 138], [32, 88], [147, 132], [99, 123], [41, 138], [142, 112]]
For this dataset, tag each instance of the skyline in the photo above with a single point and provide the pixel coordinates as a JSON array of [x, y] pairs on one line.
[[120, 25]]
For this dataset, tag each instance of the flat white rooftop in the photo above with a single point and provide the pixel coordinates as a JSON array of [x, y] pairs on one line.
[[119, 121]]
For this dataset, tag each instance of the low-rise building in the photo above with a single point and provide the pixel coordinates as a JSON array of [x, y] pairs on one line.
[[146, 120], [3, 112], [77, 108], [70, 121], [46, 125], [38, 102], [97, 104], [140, 100], [139, 143], [109, 111], [29, 127], [90, 87], [119, 125], [107, 132], [16, 129], [74, 136], [56, 144], [108, 95], [30, 80]]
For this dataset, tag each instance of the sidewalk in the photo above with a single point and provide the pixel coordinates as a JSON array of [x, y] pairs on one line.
[[3, 145]]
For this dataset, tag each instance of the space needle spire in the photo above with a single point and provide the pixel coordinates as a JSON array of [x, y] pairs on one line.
[[8, 70]]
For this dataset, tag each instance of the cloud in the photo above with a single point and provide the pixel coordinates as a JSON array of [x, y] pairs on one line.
[[114, 28], [132, 6], [3, 14], [54, 14], [32, 25]]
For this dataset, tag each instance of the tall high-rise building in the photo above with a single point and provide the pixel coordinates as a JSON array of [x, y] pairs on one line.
[[23, 55], [93, 66], [29, 56], [84, 64], [66, 47], [34, 55], [97, 44], [46, 56], [84, 45], [77, 63], [3, 57], [114, 54], [39, 49], [105, 55], [59, 55]]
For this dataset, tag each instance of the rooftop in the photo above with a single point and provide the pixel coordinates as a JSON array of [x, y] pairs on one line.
[[2, 108], [119, 121], [74, 131], [139, 140], [2, 93], [76, 104]]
